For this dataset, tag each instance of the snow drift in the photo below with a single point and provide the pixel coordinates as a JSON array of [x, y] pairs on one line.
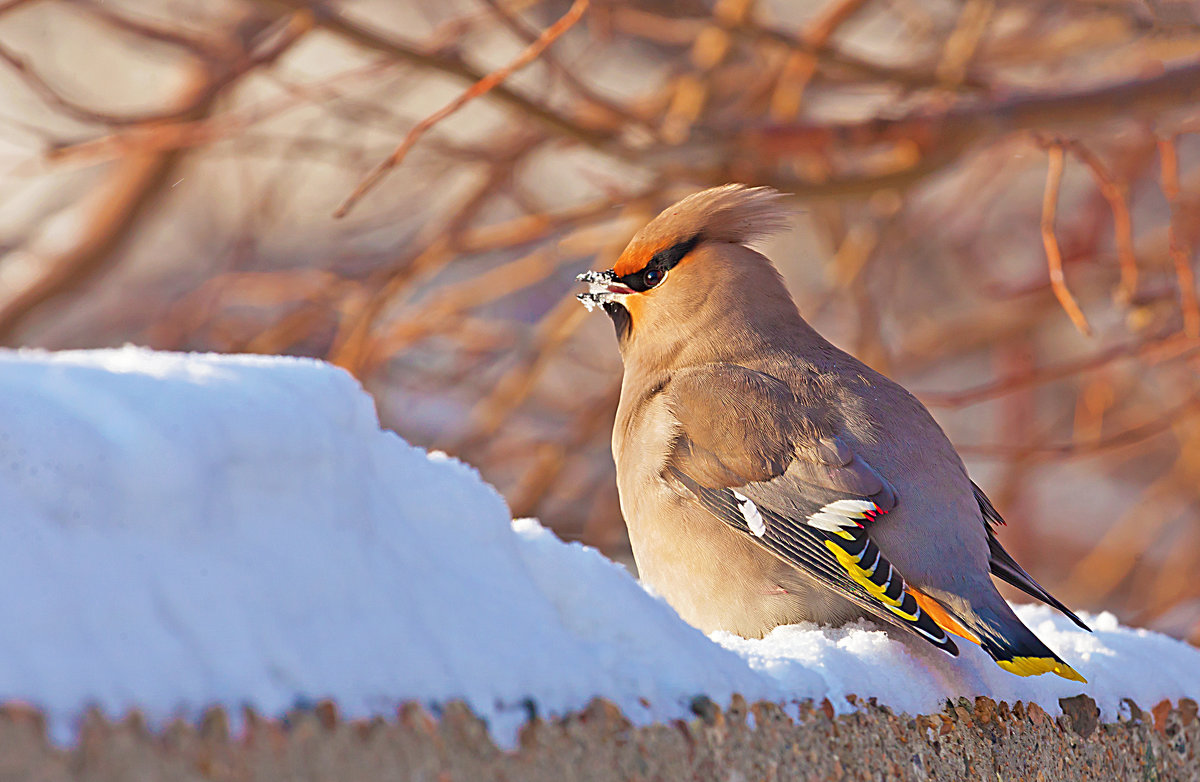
[[180, 531]]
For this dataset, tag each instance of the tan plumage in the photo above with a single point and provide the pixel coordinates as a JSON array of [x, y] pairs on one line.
[[768, 478]]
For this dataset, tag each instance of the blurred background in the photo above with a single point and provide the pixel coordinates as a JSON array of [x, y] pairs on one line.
[[997, 204]]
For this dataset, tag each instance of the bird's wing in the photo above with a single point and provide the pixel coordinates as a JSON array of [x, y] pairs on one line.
[[1003, 566], [761, 462]]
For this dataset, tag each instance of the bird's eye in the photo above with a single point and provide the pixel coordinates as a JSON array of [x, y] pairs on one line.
[[653, 277]]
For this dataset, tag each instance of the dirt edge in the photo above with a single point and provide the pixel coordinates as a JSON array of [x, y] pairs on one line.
[[969, 741]]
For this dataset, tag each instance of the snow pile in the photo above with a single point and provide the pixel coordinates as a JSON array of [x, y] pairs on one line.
[[180, 531], [186, 530]]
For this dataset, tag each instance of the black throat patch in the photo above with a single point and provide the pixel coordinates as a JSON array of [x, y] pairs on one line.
[[620, 318]]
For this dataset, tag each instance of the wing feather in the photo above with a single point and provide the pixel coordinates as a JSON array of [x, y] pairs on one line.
[[845, 561]]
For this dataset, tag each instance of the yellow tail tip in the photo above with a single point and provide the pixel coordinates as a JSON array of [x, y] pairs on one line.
[[1036, 666]]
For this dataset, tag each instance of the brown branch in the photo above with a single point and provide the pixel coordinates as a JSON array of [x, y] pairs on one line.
[[226, 69], [145, 29], [518, 381], [1058, 284], [1006, 385], [177, 135], [964, 40], [550, 462], [478, 89], [832, 57], [1117, 196], [964, 125], [1126, 437], [446, 306], [682, 32], [52, 97], [1180, 252], [113, 211], [329, 19], [530, 34], [118, 205], [353, 345], [801, 66]]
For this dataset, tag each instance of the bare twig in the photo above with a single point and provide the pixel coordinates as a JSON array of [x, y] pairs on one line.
[[119, 203], [329, 19], [964, 41], [530, 34], [481, 87], [1050, 374], [201, 132], [1130, 436], [141, 28], [1117, 196], [1058, 284], [802, 64], [111, 214], [34, 81], [1180, 252], [937, 138]]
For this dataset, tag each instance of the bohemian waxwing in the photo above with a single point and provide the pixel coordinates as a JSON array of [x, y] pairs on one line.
[[768, 478]]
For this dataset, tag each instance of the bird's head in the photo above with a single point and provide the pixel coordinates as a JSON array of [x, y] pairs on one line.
[[689, 275]]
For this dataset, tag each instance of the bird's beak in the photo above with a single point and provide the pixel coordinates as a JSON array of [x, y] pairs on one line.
[[603, 287]]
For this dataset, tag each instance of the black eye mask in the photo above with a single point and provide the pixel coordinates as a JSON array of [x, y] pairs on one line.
[[655, 271]]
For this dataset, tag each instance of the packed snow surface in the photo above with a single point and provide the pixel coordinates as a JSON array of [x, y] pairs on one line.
[[180, 531]]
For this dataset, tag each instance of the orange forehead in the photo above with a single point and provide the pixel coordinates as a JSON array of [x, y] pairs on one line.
[[635, 258]]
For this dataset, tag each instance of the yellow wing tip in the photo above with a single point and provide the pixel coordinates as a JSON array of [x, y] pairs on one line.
[[1036, 666]]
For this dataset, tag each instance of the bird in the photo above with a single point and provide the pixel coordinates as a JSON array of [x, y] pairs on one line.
[[767, 477]]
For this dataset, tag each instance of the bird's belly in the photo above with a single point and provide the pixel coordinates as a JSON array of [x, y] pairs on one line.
[[718, 579]]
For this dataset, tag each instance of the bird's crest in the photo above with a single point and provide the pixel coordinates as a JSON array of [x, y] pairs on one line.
[[729, 213]]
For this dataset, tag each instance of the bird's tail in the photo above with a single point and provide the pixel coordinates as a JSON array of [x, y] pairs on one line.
[[1002, 635]]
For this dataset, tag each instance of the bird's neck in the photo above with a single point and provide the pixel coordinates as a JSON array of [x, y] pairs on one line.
[[741, 336]]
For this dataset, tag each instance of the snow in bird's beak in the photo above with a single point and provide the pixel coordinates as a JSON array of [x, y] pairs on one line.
[[602, 287]]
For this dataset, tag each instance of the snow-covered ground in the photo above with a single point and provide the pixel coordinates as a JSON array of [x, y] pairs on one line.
[[181, 531]]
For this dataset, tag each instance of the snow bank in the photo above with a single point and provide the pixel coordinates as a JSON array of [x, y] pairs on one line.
[[186, 530], [181, 531]]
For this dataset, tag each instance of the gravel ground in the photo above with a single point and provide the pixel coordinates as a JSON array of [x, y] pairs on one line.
[[968, 741]]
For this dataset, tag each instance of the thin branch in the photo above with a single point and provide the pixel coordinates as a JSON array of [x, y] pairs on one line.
[[52, 97], [801, 66], [682, 32], [1180, 252], [145, 29], [119, 203], [334, 22], [1005, 385], [479, 88], [1126, 437], [110, 215], [1117, 196], [964, 40], [1176, 87], [230, 67], [1058, 284], [530, 34], [206, 131]]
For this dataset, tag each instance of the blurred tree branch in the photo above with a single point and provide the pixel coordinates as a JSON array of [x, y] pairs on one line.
[[138, 178], [446, 62], [926, 141], [480, 88]]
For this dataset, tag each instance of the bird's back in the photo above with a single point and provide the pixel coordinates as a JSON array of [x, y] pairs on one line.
[[895, 434]]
